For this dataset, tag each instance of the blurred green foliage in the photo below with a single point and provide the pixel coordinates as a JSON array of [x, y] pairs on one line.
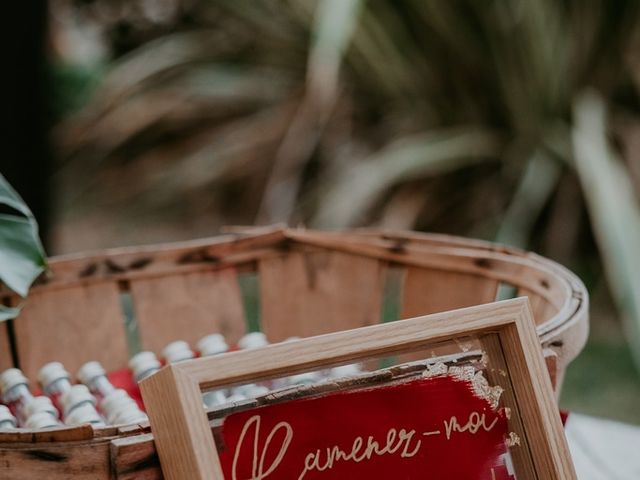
[[516, 121], [22, 258]]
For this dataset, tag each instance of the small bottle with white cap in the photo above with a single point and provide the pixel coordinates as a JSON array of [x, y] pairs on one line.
[[114, 402], [14, 388], [120, 408], [54, 380], [79, 406], [84, 414], [94, 376], [41, 420], [213, 344], [41, 404], [7, 420], [143, 365], [253, 340], [210, 346], [177, 352]]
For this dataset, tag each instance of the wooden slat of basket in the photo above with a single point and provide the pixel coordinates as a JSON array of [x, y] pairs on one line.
[[5, 348], [155, 260], [517, 270], [430, 291], [135, 458], [426, 291], [541, 308], [311, 293], [72, 326], [57, 461], [188, 307]]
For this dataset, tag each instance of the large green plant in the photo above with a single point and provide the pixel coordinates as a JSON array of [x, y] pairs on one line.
[[22, 257], [462, 116]]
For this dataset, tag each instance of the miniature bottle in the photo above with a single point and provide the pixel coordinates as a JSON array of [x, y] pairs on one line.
[[7, 420], [213, 344], [84, 414], [54, 380], [143, 364], [112, 401], [79, 406], [14, 388], [177, 351], [253, 340], [120, 408], [41, 420], [94, 376], [56, 383], [41, 404]]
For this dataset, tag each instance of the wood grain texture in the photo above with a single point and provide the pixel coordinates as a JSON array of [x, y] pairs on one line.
[[188, 307], [180, 426], [538, 408], [56, 461], [497, 375], [135, 458], [311, 293], [428, 291], [72, 326], [542, 310], [148, 261], [181, 430], [5, 348]]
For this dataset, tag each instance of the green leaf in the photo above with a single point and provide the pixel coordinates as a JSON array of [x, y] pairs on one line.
[[8, 196], [537, 185], [355, 187], [22, 257], [613, 208]]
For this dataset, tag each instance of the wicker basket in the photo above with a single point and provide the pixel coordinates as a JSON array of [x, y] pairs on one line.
[[306, 283]]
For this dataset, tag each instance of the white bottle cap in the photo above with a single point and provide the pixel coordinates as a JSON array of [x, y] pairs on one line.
[[129, 416], [251, 390], [144, 364], [10, 378], [306, 378], [51, 372], [345, 371], [41, 420], [84, 414], [89, 371], [177, 351], [40, 404], [107, 404], [253, 340], [117, 402], [236, 397], [74, 397], [6, 418], [214, 398], [213, 344]]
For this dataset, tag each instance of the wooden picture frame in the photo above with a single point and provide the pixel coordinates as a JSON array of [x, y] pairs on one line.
[[183, 436]]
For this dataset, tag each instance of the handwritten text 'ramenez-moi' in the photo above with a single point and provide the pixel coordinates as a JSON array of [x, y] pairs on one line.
[[401, 443]]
